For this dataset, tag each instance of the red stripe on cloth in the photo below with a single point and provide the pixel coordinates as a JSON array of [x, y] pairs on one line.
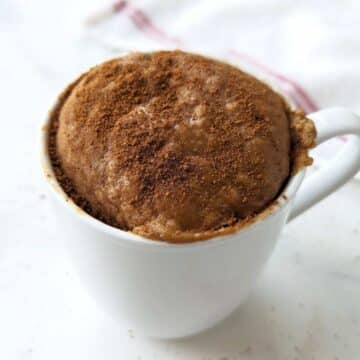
[[119, 5], [143, 22], [299, 95], [343, 138]]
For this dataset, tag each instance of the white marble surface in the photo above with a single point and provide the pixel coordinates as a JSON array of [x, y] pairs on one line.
[[306, 305]]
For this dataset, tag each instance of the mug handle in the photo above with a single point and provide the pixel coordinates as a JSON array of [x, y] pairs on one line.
[[329, 123]]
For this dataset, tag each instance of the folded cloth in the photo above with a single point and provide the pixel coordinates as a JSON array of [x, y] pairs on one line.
[[275, 40]]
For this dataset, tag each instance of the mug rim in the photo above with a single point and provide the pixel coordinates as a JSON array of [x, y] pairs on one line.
[[129, 237]]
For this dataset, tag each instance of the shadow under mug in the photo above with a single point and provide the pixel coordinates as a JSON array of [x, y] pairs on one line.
[[175, 290]]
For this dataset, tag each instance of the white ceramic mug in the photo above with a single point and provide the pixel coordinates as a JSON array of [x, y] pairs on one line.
[[168, 290]]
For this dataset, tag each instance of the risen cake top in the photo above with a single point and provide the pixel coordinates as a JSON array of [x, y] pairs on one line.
[[171, 145]]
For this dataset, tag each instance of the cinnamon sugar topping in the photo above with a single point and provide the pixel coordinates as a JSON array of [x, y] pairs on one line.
[[175, 146]]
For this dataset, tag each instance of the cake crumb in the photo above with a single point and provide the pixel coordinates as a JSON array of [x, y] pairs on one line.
[[147, 139]]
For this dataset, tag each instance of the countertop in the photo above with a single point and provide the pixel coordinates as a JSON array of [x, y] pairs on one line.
[[305, 306]]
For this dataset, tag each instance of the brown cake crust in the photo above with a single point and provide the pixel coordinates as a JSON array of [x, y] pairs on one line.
[[170, 144]]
